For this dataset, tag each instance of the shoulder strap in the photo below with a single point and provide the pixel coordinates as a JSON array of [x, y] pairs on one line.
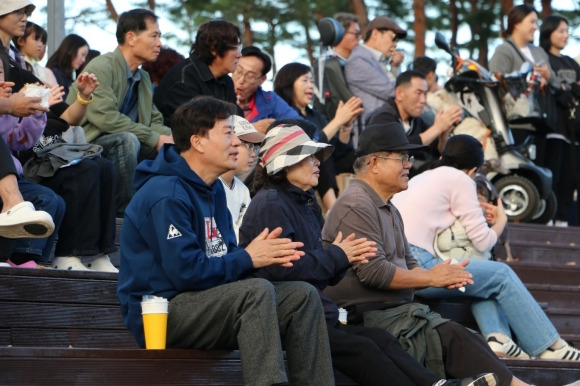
[[517, 50]]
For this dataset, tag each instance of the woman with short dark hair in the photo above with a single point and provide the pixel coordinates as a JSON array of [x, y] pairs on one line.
[[563, 149], [294, 84], [434, 200]]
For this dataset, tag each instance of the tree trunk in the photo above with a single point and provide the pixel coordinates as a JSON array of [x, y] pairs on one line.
[[419, 26], [248, 38], [360, 10], [309, 46], [506, 5], [112, 11], [546, 9]]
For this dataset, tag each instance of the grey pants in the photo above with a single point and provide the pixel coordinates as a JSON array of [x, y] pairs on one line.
[[260, 319]]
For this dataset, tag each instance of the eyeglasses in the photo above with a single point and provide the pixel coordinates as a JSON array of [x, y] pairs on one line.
[[250, 77], [358, 34], [405, 159], [20, 13], [252, 147]]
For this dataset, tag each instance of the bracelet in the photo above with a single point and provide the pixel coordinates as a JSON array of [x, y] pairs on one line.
[[83, 101]]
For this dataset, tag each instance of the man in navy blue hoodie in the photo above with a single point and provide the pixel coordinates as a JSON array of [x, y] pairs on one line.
[[179, 243]]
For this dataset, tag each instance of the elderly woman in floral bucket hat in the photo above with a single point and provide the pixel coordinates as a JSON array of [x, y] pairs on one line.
[[290, 163]]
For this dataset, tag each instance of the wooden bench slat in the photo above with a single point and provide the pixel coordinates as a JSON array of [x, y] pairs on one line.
[[54, 315]]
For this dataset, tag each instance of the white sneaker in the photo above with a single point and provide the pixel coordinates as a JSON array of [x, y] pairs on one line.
[[68, 263], [23, 220], [565, 353], [508, 349], [102, 264], [577, 383]]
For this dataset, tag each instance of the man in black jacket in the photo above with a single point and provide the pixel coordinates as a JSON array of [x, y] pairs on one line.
[[214, 55]]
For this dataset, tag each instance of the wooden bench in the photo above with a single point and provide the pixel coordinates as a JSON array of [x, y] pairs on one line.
[[543, 244], [546, 234], [66, 327]]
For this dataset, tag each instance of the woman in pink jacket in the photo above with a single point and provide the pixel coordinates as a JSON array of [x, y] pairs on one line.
[[500, 301]]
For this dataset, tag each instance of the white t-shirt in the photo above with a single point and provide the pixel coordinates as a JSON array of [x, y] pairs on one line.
[[238, 197]]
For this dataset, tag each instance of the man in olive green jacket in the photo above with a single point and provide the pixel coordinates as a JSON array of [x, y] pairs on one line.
[[121, 116]]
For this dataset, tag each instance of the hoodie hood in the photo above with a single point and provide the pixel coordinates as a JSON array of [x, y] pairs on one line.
[[168, 163]]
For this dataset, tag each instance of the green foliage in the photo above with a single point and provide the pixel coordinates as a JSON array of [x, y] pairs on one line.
[[293, 22]]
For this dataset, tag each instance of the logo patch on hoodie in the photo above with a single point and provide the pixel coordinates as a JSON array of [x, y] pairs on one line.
[[215, 245], [173, 232]]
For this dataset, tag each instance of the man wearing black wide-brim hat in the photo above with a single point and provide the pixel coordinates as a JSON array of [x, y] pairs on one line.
[[381, 293]]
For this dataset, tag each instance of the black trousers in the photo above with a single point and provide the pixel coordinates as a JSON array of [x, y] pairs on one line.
[[372, 356], [89, 225], [558, 158], [6, 162], [466, 353]]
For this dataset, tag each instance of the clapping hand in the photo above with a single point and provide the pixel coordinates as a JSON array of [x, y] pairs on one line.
[[356, 250]]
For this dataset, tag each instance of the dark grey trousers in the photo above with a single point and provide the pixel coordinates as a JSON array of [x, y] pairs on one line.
[[260, 319]]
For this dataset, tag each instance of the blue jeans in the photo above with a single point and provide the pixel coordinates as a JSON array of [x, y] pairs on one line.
[[44, 199], [500, 302]]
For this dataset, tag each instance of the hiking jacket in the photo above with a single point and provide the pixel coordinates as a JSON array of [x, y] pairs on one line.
[[103, 114]]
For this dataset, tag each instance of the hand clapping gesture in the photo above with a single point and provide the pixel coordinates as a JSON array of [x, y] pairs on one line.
[[356, 250]]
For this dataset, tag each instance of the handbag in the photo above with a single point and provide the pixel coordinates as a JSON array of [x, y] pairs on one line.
[[537, 106]]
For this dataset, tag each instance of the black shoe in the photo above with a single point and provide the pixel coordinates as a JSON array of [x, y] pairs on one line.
[[485, 379]]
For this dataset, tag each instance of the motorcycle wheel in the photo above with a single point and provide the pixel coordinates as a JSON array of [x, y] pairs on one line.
[[520, 197], [547, 209]]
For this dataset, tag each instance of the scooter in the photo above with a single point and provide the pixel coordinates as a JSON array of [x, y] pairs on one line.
[[526, 191]]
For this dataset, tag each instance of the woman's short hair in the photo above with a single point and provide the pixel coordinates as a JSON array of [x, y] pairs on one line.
[[515, 16], [462, 152], [549, 25], [285, 78]]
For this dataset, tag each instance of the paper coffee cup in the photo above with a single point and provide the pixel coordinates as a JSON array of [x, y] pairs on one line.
[[37, 91], [154, 310]]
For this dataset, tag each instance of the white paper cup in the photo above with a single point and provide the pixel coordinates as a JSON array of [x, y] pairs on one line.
[[154, 310], [155, 306]]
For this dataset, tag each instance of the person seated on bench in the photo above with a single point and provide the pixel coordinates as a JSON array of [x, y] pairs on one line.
[[501, 303], [179, 243], [369, 356], [294, 84], [380, 293], [18, 218], [85, 187], [238, 194]]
